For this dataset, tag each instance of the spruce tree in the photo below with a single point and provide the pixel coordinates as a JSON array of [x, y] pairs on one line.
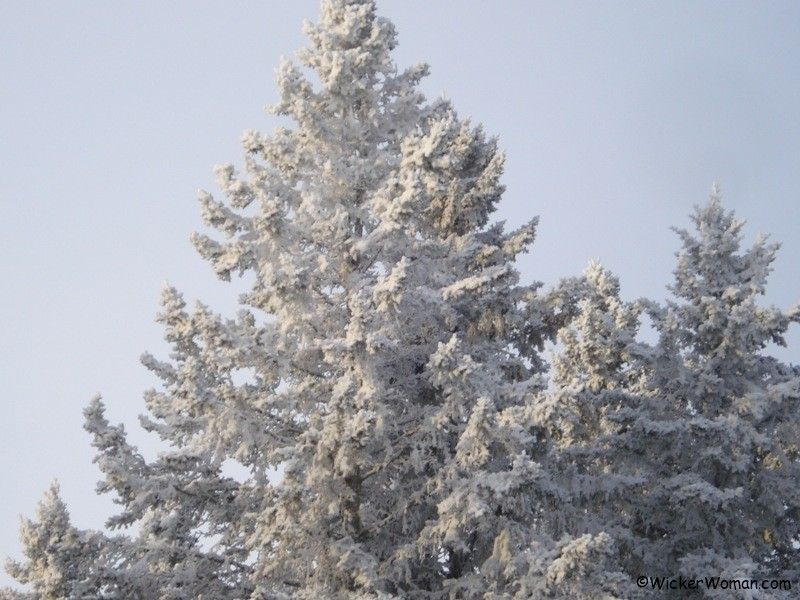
[[732, 503], [57, 555], [583, 418], [390, 356], [685, 452]]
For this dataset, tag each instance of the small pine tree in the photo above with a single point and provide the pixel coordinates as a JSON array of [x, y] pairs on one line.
[[59, 558]]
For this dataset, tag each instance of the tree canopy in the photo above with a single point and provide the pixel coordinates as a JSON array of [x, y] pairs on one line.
[[388, 390]]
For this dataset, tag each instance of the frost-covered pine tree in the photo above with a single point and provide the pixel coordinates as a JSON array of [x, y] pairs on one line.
[[385, 362], [57, 555], [732, 501], [684, 453], [595, 389]]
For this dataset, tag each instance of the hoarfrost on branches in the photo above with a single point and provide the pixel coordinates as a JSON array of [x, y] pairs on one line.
[[396, 379]]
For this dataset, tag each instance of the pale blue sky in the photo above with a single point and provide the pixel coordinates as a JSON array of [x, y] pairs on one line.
[[616, 117]]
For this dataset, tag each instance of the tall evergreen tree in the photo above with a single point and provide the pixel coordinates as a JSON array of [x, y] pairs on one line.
[[685, 452], [584, 417], [391, 354], [734, 505]]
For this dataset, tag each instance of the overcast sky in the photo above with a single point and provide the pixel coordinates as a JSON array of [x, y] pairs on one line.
[[616, 118]]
